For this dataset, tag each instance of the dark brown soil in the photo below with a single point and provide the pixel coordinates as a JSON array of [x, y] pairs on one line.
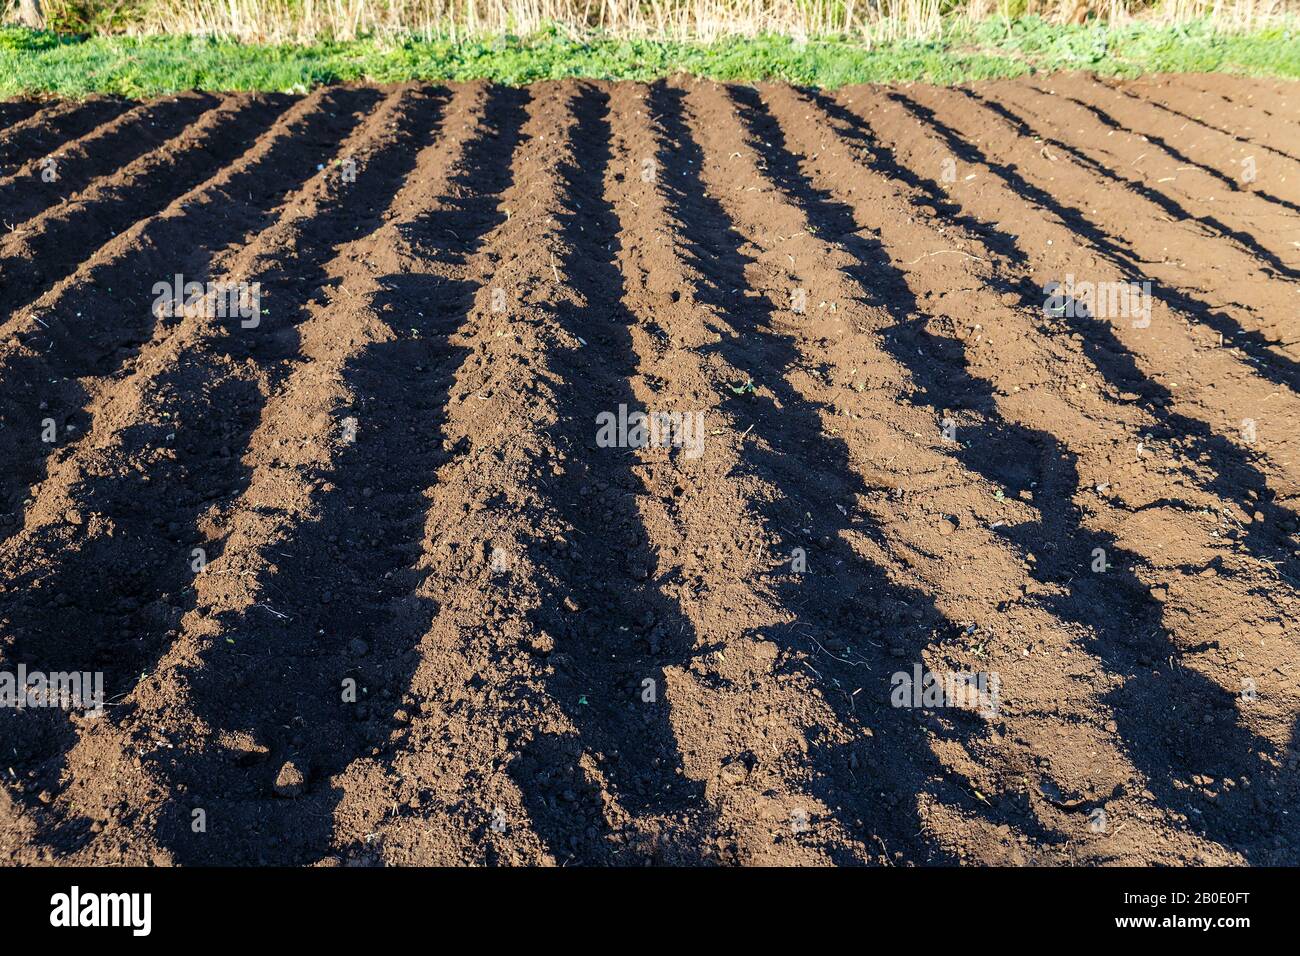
[[571, 653]]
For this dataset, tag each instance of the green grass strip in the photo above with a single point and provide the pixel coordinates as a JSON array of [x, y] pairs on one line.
[[44, 63]]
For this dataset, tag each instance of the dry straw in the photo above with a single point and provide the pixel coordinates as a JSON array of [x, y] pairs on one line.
[[867, 20]]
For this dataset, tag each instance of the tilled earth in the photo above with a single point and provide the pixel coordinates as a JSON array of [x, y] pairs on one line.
[[365, 588]]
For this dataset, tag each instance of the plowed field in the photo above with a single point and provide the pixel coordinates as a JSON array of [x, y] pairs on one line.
[[371, 578]]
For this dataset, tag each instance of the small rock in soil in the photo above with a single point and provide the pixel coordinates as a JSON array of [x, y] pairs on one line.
[[290, 781]]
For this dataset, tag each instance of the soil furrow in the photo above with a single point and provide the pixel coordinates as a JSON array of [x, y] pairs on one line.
[[852, 604], [1238, 472], [13, 112], [41, 183], [446, 793], [1019, 107], [1201, 424], [1237, 124], [576, 763], [1271, 98], [257, 617], [46, 130], [804, 442], [910, 323], [706, 531], [1221, 310], [524, 512], [964, 375], [138, 491], [1274, 186], [54, 353], [53, 245], [1005, 455], [599, 672], [1192, 169]]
